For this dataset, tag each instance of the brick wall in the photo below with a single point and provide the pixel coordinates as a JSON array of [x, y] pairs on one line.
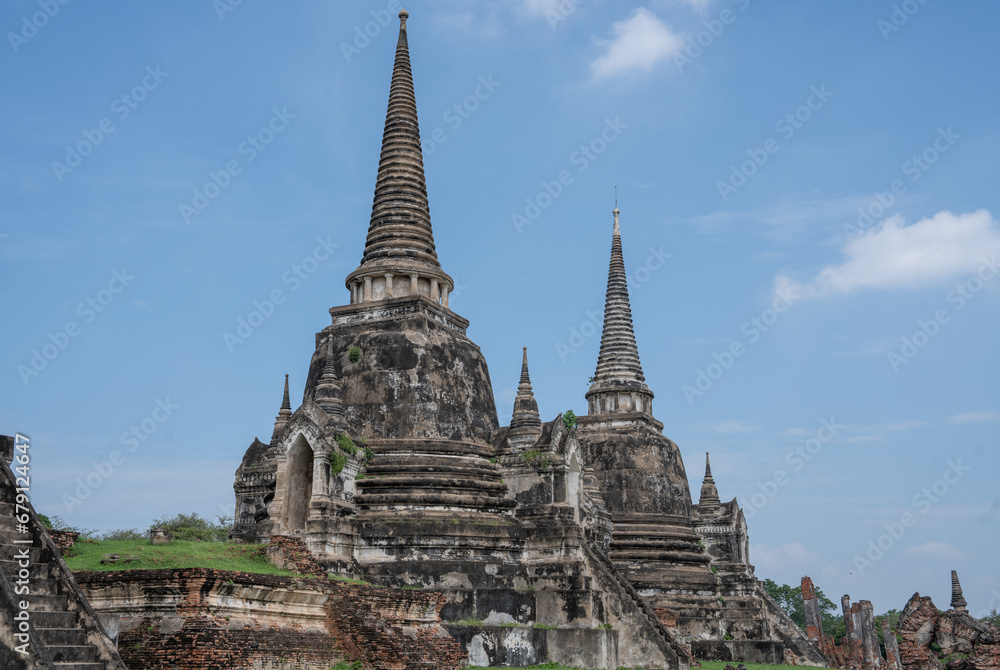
[[187, 620], [63, 539]]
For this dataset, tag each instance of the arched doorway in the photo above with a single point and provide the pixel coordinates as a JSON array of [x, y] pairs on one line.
[[299, 486]]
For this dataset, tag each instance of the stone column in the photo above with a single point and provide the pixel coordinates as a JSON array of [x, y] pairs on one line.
[[876, 650], [413, 284], [891, 647], [368, 289], [444, 296], [869, 635], [814, 623], [388, 285], [434, 290], [857, 644]]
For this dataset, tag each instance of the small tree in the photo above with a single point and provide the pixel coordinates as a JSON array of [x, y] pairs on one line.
[[569, 419], [192, 527], [789, 598]]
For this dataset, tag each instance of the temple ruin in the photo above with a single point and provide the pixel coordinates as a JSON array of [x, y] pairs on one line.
[[568, 540]]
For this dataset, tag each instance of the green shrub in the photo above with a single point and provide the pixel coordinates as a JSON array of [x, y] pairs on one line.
[[354, 355], [346, 444], [537, 459], [192, 528], [569, 419], [45, 521], [337, 463]]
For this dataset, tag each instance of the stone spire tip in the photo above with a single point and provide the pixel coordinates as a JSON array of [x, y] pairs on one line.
[[400, 258], [958, 602], [709, 493], [618, 383], [286, 402], [525, 424]]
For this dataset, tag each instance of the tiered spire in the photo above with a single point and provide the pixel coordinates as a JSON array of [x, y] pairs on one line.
[[709, 493], [957, 599], [327, 392], [618, 385], [284, 414], [399, 257], [525, 425]]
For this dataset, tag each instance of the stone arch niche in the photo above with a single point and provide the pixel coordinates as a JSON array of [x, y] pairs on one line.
[[299, 466], [573, 483]]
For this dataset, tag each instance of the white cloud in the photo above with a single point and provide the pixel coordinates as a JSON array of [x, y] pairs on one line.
[[729, 427], [640, 42], [787, 555], [906, 425], [935, 550], [894, 255], [985, 416]]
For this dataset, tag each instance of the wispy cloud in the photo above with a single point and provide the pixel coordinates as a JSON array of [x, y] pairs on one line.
[[985, 416], [932, 549], [729, 427], [640, 42], [898, 256], [906, 425]]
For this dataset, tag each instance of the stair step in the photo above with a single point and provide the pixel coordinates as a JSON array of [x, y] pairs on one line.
[[8, 522], [62, 636], [35, 570], [73, 654], [54, 619], [48, 603], [7, 536], [45, 587], [9, 552], [80, 666]]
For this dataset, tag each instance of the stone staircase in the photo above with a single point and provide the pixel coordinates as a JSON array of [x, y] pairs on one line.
[[666, 641], [64, 632]]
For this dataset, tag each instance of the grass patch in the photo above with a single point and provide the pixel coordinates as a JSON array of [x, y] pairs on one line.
[[720, 665], [178, 554]]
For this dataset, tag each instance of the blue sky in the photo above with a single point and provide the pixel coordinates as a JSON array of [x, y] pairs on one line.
[[743, 137]]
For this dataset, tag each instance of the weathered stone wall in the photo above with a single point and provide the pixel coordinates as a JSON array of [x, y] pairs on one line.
[[200, 619], [962, 642]]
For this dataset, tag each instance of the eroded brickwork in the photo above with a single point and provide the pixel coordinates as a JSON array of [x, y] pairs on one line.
[[291, 553], [200, 619], [63, 539]]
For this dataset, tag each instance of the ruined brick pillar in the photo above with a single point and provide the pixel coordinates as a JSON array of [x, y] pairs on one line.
[[857, 658], [814, 623], [848, 643], [892, 661], [869, 635]]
